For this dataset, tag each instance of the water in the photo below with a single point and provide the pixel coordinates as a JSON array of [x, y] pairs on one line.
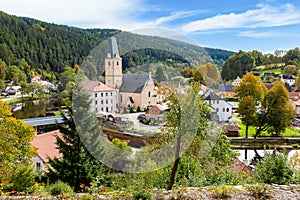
[[251, 154], [31, 109]]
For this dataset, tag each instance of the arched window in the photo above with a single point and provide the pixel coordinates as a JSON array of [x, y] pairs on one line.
[[108, 63], [117, 63], [149, 94]]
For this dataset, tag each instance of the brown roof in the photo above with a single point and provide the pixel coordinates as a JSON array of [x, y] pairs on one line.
[[294, 96], [46, 145], [238, 166], [231, 127], [95, 86]]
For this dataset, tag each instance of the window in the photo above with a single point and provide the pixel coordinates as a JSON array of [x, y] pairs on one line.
[[109, 63], [95, 94], [149, 94], [102, 109], [38, 166], [102, 102], [106, 101], [217, 101], [96, 102], [106, 94], [227, 109], [96, 109], [101, 94], [111, 94], [117, 62], [217, 109], [223, 109], [111, 101]]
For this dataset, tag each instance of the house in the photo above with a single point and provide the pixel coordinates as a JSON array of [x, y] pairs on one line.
[[222, 108], [236, 82], [157, 109], [296, 105], [231, 130], [104, 98], [294, 96], [289, 79], [273, 74], [269, 86], [238, 167], [156, 113], [133, 90], [46, 148], [226, 91]]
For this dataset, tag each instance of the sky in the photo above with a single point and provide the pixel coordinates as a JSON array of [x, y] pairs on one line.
[[263, 25]]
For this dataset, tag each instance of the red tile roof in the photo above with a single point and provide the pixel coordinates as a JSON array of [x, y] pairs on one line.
[[46, 145], [294, 96], [95, 86]]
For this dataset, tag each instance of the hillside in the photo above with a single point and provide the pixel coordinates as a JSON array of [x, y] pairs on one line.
[[51, 47]]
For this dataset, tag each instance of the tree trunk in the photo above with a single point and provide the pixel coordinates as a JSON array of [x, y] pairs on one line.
[[247, 131], [176, 164]]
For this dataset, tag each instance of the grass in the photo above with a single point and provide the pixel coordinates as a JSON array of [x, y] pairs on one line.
[[289, 132], [276, 70]]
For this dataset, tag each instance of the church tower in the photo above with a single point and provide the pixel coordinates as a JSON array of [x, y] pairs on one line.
[[113, 66]]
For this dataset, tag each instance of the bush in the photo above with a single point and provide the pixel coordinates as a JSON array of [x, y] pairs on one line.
[[60, 188], [142, 195], [223, 191], [23, 179], [259, 190], [274, 168]]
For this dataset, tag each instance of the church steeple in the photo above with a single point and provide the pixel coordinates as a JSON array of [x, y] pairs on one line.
[[113, 66]]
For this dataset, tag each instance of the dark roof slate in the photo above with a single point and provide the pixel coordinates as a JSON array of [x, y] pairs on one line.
[[134, 83], [212, 96]]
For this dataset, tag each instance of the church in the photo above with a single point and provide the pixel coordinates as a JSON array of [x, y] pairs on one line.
[[133, 89]]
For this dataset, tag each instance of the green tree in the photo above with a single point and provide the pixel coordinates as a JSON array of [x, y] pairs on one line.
[[297, 82], [291, 69], [274, 168], [251, 92], [80, 144], [33, 89], [67, 76], [159, 74], [15, 149], [2, 70], [237, 65], [276, 112]]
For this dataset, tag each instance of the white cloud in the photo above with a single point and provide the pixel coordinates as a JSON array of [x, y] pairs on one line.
[[263, 16], [102, 12], [266, 34]]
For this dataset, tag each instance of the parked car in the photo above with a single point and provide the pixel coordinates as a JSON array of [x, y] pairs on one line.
[[141, 116]]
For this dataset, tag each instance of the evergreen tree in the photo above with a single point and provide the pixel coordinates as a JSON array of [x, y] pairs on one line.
[[81, 136]]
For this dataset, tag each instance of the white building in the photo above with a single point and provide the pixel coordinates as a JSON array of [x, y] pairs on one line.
[[237, 82], [104, 98], [289, 79], [221, 107]]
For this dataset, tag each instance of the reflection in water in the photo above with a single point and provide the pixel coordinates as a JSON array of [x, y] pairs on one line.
[[31, 109]]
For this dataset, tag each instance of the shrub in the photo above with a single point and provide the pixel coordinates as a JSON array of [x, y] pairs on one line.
[[142, 195], [260, 190], [223, 191], [60, 188], [23, 179], [138, 109], [274, 168]]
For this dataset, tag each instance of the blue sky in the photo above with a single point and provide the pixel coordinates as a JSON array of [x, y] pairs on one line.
[[263, 25]]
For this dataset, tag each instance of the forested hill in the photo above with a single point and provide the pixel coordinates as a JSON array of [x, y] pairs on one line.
[[49, 46], [43, 44]]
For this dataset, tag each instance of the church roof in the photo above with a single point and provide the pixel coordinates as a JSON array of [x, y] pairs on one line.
[[114, 51], [134, 83], [95, 86]]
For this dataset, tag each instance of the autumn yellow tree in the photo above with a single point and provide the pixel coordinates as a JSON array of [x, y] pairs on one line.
[[250, 93], [15, 149]]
